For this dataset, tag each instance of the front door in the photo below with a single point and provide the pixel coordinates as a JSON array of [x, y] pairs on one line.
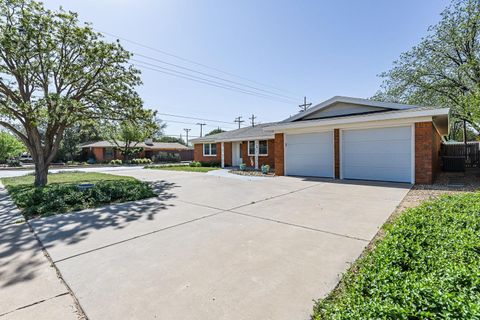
[[236, 153]]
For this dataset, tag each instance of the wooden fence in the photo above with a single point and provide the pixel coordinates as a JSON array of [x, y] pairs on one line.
[[457, 156]]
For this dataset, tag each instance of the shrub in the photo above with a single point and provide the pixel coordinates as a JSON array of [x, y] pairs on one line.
[[60, 198], [195, 164], [213, 163], [141, 161], [116, 162], [426, 267]]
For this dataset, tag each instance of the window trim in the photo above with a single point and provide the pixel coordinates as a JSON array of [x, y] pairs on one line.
[[259, 154], [209, 150]]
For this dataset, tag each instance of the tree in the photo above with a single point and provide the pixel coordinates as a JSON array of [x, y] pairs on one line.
[[55, 73], [70, 147], [215, 131], [10, 147], [171, 139], [444, 68], [126, 135]]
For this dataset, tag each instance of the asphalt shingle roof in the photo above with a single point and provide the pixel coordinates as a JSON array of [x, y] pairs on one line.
[[239, 134]]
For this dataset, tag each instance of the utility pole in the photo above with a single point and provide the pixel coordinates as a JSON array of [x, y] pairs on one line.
[[252, 119], [303, 107], [201, 128], [187, 130], [239, 120]]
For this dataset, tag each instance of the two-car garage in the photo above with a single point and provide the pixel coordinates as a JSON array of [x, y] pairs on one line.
[[383, 154]]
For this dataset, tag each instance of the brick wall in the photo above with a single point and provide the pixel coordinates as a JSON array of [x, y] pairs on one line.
[[98, 154], [279, 154], [427, 146], [198, 153]]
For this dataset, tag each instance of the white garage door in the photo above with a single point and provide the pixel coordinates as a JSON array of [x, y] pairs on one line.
[[309, 154], [377, 154]]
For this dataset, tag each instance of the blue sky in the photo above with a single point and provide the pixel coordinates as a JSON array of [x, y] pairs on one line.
[[313, 48]]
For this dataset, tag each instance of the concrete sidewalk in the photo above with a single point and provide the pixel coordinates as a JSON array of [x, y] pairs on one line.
[[29, 286]]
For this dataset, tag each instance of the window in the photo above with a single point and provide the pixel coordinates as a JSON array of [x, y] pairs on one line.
[[108, 153], [209, 149], [262, 148]]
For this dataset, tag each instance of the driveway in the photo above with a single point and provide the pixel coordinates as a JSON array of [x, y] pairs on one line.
[[213, 247]]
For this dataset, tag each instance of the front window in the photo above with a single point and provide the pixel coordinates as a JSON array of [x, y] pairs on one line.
[[262, 148], [209, 149]]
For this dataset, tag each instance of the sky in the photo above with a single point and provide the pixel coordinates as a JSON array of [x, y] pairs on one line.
[[273, 52]]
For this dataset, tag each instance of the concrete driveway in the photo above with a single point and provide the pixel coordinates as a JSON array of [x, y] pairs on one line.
[[215, 247]]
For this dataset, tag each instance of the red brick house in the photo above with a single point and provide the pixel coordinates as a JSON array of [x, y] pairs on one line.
[[341, 138], [103, 151]]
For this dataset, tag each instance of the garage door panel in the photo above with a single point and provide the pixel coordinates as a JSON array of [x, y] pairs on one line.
[[378, 160], [309, 154], [377, 154], [397, 147], [385, 134]]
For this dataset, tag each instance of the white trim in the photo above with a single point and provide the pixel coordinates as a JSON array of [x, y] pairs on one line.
[[409, 116], [200, 140], [359, 101], [333, 153], [257, 147], [413, 154], [284, 154], [259, 154], [222, 152], [210, 149], [340, 147]]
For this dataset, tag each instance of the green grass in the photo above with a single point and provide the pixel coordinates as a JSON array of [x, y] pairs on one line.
[[184, 168], [65, 177], [427, 266], [63, 195]]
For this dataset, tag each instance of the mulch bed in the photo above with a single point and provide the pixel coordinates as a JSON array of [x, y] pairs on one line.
[[254, 173]]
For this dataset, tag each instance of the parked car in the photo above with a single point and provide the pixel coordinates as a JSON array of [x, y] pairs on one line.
[[25, 158]]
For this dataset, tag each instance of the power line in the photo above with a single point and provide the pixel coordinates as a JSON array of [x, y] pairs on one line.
[[192, 123], [193, 118], [184, 75], [215, 77], [190, 61], [239, 121], [201, 128]]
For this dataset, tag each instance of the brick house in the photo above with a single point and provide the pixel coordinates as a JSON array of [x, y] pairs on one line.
[[104, 151], [341, 138]]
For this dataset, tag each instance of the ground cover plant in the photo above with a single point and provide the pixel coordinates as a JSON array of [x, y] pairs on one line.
[[183, 168], [63, 194], [427, 266]]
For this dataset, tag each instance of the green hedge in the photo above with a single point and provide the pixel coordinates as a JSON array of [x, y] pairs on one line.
[[426, 267], [61, 198]]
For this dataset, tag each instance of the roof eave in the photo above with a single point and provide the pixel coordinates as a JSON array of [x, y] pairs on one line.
[[363, 118]]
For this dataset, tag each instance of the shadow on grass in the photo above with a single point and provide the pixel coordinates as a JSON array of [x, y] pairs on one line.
[[20, 252]]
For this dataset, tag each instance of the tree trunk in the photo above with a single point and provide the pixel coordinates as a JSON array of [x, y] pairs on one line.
[[41, 173]]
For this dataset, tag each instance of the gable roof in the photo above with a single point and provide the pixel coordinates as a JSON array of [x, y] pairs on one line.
[[358, 101], [245, 133], [154, 145]]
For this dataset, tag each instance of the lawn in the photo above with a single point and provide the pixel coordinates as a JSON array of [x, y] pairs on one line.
[[62, 193], [184, 168], [427, 266], [66, 177]]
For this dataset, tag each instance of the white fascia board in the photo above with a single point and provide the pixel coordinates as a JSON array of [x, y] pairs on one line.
[[360, 101], [269, 137], [358, 119]]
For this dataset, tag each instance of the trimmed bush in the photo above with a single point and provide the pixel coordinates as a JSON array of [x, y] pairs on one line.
[[195, 164], [210, 163], [60, 198], [141, 161], [116, 162], [426, 267]]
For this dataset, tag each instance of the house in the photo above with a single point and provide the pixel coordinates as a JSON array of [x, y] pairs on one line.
[[104, 151], [341, 138]]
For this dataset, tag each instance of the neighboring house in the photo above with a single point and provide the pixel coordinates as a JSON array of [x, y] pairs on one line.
[[342, 138], [103, 151]]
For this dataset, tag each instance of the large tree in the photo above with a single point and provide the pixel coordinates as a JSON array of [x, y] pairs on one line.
[[127, 134], [10, 147], [444, 68], [56, 72]]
